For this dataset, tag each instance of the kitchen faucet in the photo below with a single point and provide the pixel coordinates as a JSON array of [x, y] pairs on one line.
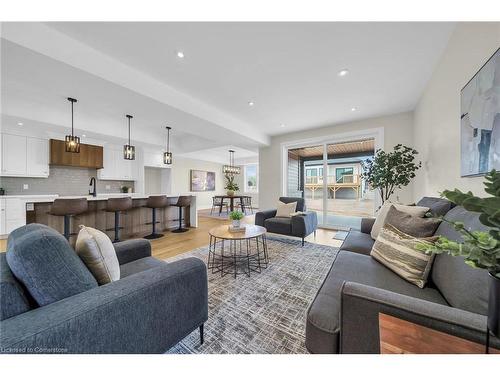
[[93, 192]]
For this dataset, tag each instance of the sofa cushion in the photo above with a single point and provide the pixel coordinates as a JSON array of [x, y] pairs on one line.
[[322, 326], [280, 225], [139, 265], [358, 242], [437, 206], [384, 210], [463, 287], [98, 253], [411, 225], [285, 209], [45, 263], [301, 203], [14, 299], [396, 250]]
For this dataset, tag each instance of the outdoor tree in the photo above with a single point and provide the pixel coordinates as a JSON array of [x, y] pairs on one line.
[[389, 171]]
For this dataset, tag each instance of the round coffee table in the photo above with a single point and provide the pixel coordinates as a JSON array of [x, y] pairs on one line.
[[237, 253]]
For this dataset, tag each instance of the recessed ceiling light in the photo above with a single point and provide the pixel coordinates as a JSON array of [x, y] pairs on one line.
[[353, 109], [343, 73], [84, 135], [251, 104], [180, 55], [282, 125], [20, 124]]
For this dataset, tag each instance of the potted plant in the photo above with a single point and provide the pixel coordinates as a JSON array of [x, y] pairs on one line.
[[390, 170], [236, 216], [231, 186], [479, 249]]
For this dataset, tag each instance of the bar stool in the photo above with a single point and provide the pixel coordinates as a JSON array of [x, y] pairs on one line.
[[183, 201], [68, 208], [154, 202], [118, 205]]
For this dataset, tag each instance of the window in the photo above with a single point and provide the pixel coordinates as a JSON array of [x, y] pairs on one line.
[[251, 178], [341, 172]]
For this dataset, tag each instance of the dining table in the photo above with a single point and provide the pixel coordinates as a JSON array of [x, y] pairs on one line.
[[231, 201]]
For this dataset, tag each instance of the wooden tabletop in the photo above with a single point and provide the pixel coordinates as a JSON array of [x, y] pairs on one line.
[[251, 231]]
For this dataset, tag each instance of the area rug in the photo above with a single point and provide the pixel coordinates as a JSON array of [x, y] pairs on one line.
[[264, 313], [223, 216]]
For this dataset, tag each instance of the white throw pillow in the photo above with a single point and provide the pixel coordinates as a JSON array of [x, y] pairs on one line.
[[96, 250], [286, 209], [418, 211]]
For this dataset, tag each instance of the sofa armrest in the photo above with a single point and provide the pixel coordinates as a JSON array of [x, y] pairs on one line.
[[361, 305], [147, 312], [261, 216], [130, 250], [304, 225], [367, 224]]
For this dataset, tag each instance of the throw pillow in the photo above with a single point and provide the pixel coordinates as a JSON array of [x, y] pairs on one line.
[[98, 253], [413, 225], [286, 209], [396, 250], [382, 214]]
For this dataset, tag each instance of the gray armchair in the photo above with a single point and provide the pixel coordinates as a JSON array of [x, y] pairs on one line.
[[296, 226], [153, 306]]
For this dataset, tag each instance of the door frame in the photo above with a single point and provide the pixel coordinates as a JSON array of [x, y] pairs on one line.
[[376, 133]]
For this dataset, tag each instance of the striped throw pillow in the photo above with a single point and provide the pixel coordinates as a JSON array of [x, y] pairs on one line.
[[396, 250]]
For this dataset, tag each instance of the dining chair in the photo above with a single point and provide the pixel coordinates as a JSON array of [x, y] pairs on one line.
[[218, 202], [244, 203]]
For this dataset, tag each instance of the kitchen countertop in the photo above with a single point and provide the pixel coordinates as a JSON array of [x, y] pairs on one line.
[[99, 197]]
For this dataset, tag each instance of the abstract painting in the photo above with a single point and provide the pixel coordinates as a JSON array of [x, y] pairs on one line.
[[202, 180], [480, 120]]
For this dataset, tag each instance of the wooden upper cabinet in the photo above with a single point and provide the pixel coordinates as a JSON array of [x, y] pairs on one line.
[[90, 156]]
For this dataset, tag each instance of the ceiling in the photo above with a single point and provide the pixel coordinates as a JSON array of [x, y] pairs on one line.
[[289, 70], [337, 149]]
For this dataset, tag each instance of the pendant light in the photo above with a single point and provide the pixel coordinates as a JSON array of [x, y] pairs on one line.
[[231, 168], [72, 142], [128, 149], [167, 155]]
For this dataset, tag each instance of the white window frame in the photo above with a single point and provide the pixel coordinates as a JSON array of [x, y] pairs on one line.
[[245, 189]]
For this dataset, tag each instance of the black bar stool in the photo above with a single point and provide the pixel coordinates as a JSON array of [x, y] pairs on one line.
[[118, 205], [154, 202], [183, 201], [68, 208]]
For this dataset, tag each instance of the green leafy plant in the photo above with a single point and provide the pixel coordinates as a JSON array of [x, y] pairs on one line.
[[236, 215], [230, 184], [479, 249], [391, 170]]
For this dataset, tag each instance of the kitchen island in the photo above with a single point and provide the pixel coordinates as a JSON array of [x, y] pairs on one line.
[[136, 222]]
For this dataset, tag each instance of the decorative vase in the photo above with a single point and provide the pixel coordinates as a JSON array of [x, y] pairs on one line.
[[494, 305], [230, 193], [236, 223]]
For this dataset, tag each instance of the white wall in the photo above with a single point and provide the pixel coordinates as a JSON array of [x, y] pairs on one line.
[[181, 183], [397, 129], [437, 115]]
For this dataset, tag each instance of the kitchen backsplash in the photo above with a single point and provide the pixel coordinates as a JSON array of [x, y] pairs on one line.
[[62, 181]]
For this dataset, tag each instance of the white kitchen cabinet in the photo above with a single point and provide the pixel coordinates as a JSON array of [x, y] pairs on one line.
[[15, 214], [13, 155], [2, 216], [37, 157], [154, 159], [115, 167]]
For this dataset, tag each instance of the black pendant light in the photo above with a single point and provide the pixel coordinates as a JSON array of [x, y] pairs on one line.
[[231, 169], [167, 155], [128, 149], [72, 142]]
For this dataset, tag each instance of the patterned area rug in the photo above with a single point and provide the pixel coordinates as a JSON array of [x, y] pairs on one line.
[[224, 214], [264, 313]]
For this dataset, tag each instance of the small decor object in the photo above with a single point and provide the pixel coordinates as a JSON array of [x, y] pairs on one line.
[[128, 149], [479, 249], [231, 169], [480, 120], [396, 250], [390, 170], [202, 180], [167, 155], [231, 186], [124, 189], [72, 141], [2, 191], [236, 216]]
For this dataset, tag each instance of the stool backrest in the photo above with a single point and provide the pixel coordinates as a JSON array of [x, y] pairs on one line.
[[247, 201], [157, 201], [62, 207], [184, 201], [119, 204]]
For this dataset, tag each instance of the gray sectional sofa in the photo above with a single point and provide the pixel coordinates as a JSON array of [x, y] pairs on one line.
[[297, 226], [343, 318], [153, 306]]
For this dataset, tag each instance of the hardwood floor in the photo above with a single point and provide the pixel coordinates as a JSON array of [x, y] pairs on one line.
[[173, 244]]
